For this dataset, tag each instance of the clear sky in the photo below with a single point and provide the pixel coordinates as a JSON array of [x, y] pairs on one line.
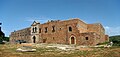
[[19, 14]]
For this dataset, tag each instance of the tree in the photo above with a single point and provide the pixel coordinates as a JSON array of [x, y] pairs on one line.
[[115, 40]]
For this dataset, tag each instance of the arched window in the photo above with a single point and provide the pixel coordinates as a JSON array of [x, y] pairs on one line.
[[70, 28], [86, 38], [46, 29], [39, 30], [35, 29], [53, 28]]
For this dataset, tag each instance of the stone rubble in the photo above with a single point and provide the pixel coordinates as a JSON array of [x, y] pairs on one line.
[[62, 47]]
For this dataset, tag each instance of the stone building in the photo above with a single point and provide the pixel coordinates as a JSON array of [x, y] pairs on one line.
[[73, 31]]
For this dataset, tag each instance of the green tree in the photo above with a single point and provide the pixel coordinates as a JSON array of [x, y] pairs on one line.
[[115, 40]]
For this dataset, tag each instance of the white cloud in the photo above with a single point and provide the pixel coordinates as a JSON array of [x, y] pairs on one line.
[[106, 27], [112, 30]]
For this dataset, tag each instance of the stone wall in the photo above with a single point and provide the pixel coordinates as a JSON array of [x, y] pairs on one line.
[[73, 31], [106, 38], [23, 34], [97, 28]]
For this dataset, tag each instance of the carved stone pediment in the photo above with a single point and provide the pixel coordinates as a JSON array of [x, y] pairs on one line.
[[35, 23]]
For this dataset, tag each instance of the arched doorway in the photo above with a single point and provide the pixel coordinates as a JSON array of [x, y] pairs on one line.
[[44, 40], [72, 40], [34, 39]]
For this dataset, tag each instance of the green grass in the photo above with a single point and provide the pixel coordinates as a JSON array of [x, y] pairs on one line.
[[10, 51]]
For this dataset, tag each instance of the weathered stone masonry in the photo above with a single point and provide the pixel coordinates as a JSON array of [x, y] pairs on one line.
[[73, 31]]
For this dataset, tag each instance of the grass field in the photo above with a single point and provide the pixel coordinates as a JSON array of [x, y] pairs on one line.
[[10, 51]]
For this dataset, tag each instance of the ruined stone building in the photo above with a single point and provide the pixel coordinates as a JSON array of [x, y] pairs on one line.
[[73, 31]]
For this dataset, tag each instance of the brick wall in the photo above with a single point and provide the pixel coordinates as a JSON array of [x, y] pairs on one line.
[[23, 34], [73, 31], [97, 28]]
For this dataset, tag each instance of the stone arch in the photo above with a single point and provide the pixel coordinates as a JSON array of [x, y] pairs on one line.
[[72, 40], [34, 39]]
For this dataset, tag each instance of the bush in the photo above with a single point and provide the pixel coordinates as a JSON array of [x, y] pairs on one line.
[[3, 39], [115, 40], [6, 39]]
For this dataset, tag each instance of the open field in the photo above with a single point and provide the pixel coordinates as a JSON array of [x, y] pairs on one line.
[[10, 51]]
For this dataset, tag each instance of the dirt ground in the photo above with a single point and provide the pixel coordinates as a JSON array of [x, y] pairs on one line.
[[8, 50]]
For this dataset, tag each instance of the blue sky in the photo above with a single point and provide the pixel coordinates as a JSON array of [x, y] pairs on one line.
[[19, 14]]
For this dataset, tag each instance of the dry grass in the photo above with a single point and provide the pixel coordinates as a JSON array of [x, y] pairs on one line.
[[10, 51]]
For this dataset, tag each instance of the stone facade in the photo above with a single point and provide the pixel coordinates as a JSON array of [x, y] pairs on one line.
[[23, 34], [73, 31]]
